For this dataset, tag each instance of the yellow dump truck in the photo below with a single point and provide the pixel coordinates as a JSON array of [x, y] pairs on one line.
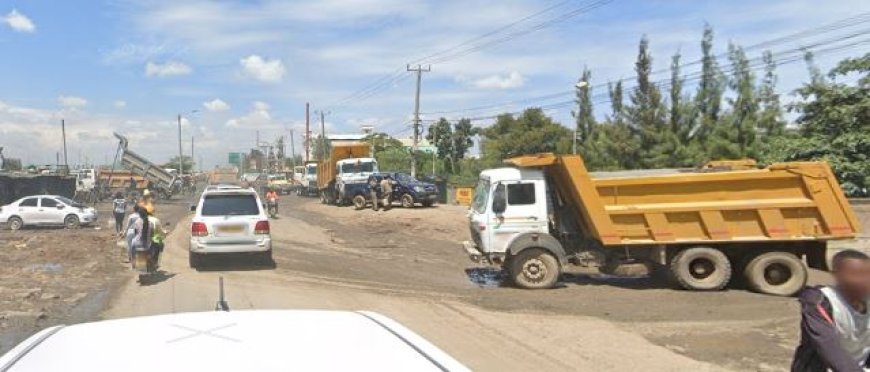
[[699, 227], [343, 176]]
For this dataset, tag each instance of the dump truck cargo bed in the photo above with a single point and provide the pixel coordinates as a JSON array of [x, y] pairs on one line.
[[783, 202]]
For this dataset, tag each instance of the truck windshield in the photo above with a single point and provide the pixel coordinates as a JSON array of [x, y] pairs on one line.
[[360, 167], [312, 170], [481, 195]]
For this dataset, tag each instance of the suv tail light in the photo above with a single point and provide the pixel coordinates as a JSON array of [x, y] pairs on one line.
[[262, 227], [198, 229]]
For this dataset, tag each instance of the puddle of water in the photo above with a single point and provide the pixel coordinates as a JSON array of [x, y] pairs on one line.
[[485, 277], [49, 267]]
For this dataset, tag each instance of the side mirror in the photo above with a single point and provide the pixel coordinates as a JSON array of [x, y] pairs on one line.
[[499, 199], [60, 206]]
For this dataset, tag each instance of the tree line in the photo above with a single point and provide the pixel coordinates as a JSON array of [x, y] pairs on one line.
[[732, 110]]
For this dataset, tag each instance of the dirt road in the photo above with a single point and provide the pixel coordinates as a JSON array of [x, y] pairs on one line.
[[415, 280]]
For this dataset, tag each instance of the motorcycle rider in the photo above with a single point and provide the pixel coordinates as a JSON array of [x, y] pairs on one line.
[[272, 199]]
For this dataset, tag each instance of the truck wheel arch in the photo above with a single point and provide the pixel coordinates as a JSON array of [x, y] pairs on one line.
[[538, 240]]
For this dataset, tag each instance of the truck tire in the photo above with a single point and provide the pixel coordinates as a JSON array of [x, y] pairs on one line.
[[407, 201], [534, 268], [776, 273], [323, 197], [701, 269], [359, 202]]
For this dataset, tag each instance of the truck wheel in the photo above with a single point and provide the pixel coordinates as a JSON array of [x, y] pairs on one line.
[[407, 201], [776, 273], [323, 197], [701, 268], [534, 268], [15, 223], [71, 222], [359, 202]]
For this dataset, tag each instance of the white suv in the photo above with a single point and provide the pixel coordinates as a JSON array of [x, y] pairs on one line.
[[231, 220]]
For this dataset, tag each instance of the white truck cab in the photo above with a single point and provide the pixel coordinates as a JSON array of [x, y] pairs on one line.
[[509, 204], [355, 170]]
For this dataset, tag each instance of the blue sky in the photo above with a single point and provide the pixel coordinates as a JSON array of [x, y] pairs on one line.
[[132, 65]]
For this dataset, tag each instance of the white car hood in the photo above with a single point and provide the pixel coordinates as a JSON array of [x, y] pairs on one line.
[[256, 340]]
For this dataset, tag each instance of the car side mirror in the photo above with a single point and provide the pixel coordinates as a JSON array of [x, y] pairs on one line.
[[60, 206], [499, 199]]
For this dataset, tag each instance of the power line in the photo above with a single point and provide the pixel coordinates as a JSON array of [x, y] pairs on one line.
[[818, 31]]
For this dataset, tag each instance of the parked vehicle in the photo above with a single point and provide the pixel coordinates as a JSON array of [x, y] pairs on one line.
[[411, 191], [163, 183], [699, 227], [280, 184], [343, 176], [229, 220], [407, 190], [50, 210], [239, 340], [310, 180]]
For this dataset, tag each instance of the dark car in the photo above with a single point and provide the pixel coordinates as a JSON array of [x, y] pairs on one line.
[[410, 191]]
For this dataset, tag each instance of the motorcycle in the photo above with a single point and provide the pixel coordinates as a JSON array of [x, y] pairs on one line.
[[272, 208]]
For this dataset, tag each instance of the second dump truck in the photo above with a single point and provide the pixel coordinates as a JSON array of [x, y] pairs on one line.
[[700, 228], [343, 176]]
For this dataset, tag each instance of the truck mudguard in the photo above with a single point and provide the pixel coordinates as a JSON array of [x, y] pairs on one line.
[[538, 240]]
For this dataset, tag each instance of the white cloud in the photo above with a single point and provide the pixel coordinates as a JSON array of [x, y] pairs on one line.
[[170, 68], [512, 80], [263, 69], [216, 104], [119, 104], [72, 101], [259, 117], [19, 22]]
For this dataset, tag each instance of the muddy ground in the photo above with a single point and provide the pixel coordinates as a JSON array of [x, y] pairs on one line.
[[402, 256], [53, 276]]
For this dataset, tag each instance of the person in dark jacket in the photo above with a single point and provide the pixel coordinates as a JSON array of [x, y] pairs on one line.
[[835, 322]]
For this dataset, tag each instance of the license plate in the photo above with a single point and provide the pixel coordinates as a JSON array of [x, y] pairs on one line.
[[232, 229]]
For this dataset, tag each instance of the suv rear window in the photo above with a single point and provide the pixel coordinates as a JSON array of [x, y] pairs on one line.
[[230, 205]]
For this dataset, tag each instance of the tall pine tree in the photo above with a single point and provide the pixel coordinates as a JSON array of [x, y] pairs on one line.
[[770, 120], [708, 100], [647, 113]]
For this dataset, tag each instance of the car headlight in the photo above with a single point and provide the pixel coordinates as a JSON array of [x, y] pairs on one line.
[[419, 189]]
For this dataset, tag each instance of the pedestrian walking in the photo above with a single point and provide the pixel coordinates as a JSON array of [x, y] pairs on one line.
[[387, 191], [119, 210], [835, 322]]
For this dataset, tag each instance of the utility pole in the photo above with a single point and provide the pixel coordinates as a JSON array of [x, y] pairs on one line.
[[323, 140], [180, 154], [434, 147], [307, 134], [292, 150], [419, 70], [63, 133]]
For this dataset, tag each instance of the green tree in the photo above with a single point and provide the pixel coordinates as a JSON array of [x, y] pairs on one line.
[[588, 141], [531, 132], [770, 120], [440, 135], [834, 124], [708, 100], [676, 149], [616, 140], [646, 114], [186, 161], [735, 137], [463, 134]]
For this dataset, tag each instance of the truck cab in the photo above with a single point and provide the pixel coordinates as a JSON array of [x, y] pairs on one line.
[[309, 182], [509, 203], [352, 177]]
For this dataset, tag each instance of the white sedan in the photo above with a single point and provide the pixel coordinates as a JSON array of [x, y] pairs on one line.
[[251, 340], [46, 210]]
